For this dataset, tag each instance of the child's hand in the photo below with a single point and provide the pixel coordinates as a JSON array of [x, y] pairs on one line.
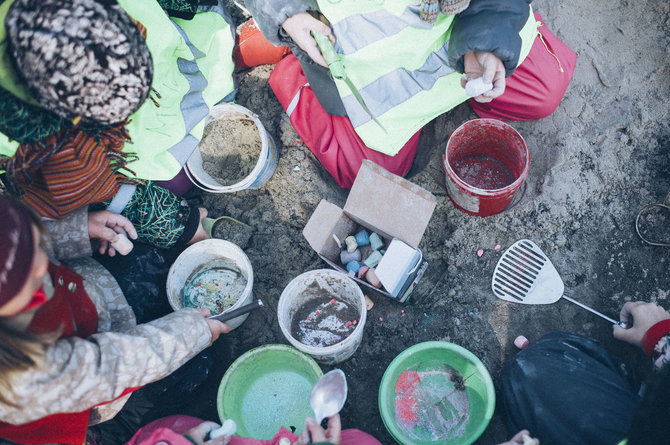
[[105, 225]]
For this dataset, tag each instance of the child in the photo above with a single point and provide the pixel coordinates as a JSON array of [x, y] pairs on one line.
[[71, 353]]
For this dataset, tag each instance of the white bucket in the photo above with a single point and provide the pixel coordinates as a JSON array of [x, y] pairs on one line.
[[262, 172], [199, 256], [336, 284]]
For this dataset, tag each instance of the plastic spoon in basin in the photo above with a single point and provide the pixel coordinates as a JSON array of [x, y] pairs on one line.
[[328, 395]]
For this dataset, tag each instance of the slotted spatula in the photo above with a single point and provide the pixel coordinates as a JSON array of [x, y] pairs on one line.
[[525, 275]]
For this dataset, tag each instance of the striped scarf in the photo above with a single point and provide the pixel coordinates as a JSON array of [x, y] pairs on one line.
[[68, 170]]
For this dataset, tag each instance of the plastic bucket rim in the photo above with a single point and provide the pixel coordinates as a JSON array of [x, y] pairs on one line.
[[277, 347], [262, 156], [513, 186], [250, 271], [195, 181], [444, 345], [328, 350]]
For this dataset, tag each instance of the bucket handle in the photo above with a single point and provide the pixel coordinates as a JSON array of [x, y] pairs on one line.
[[666, 205]]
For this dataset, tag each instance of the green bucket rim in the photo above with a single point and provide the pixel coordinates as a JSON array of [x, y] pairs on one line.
[[383, 399], [232, 369]]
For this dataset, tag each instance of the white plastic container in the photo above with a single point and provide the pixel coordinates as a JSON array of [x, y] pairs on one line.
[[262, 172], [196, 258], [336, 284]]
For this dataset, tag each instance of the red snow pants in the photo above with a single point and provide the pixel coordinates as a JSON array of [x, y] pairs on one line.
[[532, 92]]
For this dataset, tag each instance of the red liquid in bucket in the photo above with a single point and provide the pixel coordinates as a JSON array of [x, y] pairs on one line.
[[483, 172], [486, 161]]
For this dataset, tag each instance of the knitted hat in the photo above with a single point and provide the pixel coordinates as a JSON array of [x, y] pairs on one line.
[[16, 249], [430, 9], [80, 57]]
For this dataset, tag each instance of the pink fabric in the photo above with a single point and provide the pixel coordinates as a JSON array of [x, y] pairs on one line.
[[536, 87], [170, 430], [332, 139], [349, 437], [167, 430]]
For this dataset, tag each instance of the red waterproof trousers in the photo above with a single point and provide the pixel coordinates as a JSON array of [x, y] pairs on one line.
[[532, 92]]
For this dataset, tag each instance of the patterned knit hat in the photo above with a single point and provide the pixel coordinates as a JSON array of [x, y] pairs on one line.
[[431, 8], [80, 57], [16, 249]]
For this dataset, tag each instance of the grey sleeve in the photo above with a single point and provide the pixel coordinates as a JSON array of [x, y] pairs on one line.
[[489, 26], [270, 15], [69, 236]]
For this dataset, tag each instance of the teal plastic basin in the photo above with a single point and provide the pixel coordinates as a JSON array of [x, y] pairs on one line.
[[267, 388], [422, 402]]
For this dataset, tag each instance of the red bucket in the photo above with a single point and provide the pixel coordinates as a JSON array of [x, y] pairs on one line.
[[486, 161]]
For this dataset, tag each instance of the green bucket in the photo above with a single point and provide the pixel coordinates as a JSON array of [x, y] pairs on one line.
[[267, 388], [436, 393]]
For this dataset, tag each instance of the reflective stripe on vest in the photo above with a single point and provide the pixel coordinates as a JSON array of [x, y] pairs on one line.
[[399, 65], [192, 72]]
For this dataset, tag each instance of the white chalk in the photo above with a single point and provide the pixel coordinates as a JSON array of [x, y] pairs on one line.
[[527, 440], [122, 244], [227, 429], [477, 87]]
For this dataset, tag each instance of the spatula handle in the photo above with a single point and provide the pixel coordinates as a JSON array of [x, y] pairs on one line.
[[594, 311]]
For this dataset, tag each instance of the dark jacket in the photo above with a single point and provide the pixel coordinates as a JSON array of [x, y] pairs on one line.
[[487, 25]]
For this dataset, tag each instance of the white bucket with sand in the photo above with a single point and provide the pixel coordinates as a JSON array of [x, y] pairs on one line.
[[322, 313], [236, 152], [215, 274]]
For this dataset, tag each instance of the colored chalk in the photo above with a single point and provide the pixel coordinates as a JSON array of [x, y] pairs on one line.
[[362, 271], [477, 87], [521, 342], [350, 241], [122, 244], [353, 266], [346, 257], [362, 238], [376, 241], [372, 278], [373, 259]]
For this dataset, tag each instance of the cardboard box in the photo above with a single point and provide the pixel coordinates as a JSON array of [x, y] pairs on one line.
[[380, 202]]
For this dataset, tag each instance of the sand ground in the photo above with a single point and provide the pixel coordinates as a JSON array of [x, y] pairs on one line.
[[594, 163]]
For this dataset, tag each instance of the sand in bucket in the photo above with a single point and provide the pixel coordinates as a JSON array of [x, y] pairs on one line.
[[230, 148]]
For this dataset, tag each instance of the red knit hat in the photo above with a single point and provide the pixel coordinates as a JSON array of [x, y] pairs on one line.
[[16, 249]]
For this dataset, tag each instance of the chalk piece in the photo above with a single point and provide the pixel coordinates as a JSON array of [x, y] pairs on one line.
[[353, 267], [346, 257], [122, 244], [372, 278], [521, 342], [476, 87], [368, 303], [373, 259], [350, 241], [362, 271], [497, 247], [362, 238], [227, 429], [527, 440], [480, 252], [376, 241]]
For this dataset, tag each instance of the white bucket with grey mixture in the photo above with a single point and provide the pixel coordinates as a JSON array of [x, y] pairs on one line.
[[229, 115], [322, 313], [227, 267]]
